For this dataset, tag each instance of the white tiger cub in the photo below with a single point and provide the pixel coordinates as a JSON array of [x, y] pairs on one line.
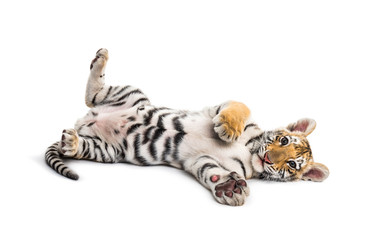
[[220, 146]]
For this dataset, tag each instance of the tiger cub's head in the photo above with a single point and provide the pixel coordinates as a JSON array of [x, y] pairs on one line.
[[285, 155]]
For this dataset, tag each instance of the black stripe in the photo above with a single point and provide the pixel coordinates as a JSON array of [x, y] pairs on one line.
[[93, 153], [241, 165], [91, 124], [160, 120], [177, 140], [137, 91], [108, 153], [51, 151], [201, 171], [86, 152], [218, 109], [56, 160], [49, 154], [83, 146], [108, 93], [177, 124], [95, 96], [91, 137], [118, 104], [149, 115], [80, 128], [139, 100], [103, 155], [133, 128], [58, 167], [120, 91], [131, 119], [125, 144], [249, 125], [283, 172], [116, 150], [204, 156], [122, 151], [94, 114], [136, 145], [255, 138], [147, 134], [62, 170], [167, 149], [97, 147], [115, 88], [157, 134]]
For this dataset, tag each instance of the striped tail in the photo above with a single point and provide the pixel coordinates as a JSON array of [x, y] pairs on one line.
[[55, 161]]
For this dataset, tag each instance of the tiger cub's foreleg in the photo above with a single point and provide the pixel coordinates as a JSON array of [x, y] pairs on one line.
[[85, 147], [227, 187]]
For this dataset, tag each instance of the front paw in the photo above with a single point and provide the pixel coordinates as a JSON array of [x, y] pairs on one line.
[[230, 190], [230, 122]]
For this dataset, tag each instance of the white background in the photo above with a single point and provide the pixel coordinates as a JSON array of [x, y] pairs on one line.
[[284, 59]]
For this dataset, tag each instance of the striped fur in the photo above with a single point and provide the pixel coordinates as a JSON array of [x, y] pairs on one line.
[[220, 146]]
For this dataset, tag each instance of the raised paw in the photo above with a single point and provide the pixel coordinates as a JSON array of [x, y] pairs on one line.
[[229, 123], [69, 143], [100, 59], [231, 190]]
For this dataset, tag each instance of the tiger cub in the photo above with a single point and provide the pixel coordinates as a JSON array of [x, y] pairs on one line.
[[220, 146]]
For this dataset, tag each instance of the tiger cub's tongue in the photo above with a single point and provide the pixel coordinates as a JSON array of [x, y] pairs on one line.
[[266, 159]]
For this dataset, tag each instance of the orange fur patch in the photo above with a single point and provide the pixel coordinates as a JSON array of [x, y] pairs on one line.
[[234, 117]]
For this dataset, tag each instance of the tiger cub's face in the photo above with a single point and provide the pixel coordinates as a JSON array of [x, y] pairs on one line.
[[285, 154]]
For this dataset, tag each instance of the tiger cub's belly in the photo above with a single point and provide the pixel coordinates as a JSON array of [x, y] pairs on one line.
[[109, 123]]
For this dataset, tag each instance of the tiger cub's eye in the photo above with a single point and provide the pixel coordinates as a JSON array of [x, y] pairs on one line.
[[292, 164], [284, 141]]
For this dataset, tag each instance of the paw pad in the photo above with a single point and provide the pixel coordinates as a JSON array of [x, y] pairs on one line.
[[214, 178], [233, 191]]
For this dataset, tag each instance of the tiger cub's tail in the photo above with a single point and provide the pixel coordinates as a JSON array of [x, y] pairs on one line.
[[55, 161]]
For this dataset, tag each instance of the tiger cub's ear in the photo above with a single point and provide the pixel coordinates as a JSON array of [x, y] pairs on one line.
[[305, 126], [316, 172]]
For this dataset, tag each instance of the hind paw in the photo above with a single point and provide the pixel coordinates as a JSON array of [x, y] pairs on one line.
[[69, 143], [100, 60]]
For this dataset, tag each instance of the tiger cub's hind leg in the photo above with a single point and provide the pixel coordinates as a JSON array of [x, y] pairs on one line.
[[95, 83], [97, 93]]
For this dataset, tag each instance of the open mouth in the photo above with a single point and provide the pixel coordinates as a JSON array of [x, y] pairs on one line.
[[266, 159]]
